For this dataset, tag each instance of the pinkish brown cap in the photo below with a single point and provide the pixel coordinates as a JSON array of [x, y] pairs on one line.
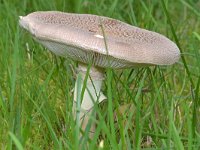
[[80, 37]]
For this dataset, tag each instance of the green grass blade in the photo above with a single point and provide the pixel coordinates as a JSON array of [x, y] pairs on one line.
[[139, 123], [196, 12], [16, 141], [177, 42]]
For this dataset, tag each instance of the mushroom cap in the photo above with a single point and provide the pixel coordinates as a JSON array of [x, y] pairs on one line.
[[103, 41]]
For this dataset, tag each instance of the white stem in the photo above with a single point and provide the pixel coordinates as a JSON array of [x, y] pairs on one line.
[[92, 95]]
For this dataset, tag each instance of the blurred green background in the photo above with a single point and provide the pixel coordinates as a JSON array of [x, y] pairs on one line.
[[36, 87]]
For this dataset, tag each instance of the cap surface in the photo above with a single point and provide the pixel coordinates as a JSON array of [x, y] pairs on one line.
[[81, 37]]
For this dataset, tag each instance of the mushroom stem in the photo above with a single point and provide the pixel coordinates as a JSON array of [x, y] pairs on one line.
[[83, 111]]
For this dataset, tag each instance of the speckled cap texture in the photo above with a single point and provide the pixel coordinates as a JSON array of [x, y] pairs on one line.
[[103, 41]]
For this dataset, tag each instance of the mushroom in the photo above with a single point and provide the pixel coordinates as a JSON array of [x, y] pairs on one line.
[[101, 42]]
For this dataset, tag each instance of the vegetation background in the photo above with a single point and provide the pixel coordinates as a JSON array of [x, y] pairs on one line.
[[150, 108]]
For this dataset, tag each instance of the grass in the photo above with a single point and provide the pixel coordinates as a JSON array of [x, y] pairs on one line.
[[161, 104]]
